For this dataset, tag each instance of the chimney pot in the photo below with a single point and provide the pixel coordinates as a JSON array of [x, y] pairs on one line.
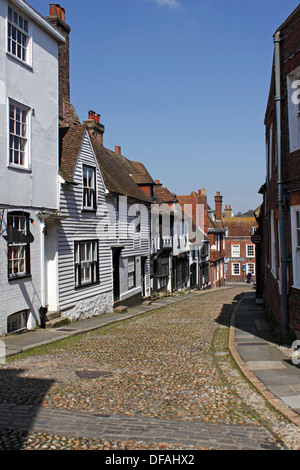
[[118, 149], [199, 192], [203, 191], [94, 116], [157, 181], [52, 9]]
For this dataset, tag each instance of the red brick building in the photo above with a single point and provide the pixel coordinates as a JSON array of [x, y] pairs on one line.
[[240, 250], [279, 215], [216, 235]]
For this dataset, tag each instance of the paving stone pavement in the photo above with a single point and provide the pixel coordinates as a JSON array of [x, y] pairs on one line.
[[267, 366], [251, 349]]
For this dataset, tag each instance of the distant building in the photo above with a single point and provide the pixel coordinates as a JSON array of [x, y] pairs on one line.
[[240, 258], [216, 235], [279, 215]]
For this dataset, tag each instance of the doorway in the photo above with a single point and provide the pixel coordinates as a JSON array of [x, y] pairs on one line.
[[116, 252]]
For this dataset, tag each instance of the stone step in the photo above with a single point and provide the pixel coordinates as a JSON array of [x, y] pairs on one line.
[[52, 315], [56, 322]]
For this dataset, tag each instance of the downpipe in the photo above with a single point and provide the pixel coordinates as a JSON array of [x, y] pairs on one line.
[[283, 255]]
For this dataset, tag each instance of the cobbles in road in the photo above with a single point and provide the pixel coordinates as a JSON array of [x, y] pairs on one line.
[[172, 365]]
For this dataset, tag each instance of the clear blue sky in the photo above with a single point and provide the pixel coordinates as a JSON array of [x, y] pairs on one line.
[[181, 85]]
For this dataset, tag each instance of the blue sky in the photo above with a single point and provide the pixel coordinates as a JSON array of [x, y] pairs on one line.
[[181, 85]]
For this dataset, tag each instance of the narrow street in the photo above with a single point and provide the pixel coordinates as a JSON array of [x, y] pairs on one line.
[[163, 380]]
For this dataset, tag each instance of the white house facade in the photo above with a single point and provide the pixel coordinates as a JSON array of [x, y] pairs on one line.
[[29, 158], [84, 262]]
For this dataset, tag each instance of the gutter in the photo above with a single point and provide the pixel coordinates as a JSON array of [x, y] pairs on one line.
[[283, 256]]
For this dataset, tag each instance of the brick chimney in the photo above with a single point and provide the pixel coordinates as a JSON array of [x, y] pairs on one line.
[[218, 206], [94, 126], [57, 18]]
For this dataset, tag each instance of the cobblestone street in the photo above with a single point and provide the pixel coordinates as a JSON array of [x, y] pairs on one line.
[[169, 370]]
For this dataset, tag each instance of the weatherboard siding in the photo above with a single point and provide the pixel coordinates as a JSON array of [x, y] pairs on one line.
[[78, 225]]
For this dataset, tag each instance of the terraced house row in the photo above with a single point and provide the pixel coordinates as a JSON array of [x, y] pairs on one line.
[[83, 228]]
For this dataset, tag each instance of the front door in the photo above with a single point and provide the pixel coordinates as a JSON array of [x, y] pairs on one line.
[[116, 272]]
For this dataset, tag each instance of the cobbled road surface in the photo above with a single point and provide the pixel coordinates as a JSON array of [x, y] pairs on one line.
[[163, 380]]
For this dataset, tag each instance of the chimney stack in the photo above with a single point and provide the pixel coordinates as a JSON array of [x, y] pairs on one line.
[[95, 128], [218, 206], [228, 211], [57, 19]]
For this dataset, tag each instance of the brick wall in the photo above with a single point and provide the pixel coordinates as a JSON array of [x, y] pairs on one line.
[[290, 60]]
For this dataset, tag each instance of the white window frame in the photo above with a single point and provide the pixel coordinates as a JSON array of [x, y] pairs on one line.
[[250, 248], [233, 273], [272, 245], [19, 131], [86, 262], [89, 199], [295, 229], [293, 84], [19, 33], [131, 270], [235, 251], [250, 270], [270, 151]]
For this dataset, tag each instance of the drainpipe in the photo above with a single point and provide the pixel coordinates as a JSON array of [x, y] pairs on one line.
[[283, 256]]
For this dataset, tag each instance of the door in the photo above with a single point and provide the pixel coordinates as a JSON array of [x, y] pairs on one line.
[[143, 275], [116, 272]]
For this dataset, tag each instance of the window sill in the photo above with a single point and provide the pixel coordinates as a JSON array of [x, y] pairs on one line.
[[19, 168], [20, 278], [89, 210], [88, 284], [295, 287], [20, 61]]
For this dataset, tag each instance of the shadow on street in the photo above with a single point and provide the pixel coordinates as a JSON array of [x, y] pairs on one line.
[[20, 399]]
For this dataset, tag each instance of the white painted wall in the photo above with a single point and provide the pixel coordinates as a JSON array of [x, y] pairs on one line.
[[34, 85]]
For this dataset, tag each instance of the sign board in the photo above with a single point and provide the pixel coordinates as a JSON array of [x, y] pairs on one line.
[[256, 238]]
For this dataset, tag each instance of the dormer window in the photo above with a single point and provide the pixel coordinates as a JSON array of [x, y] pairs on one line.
[[89, 188]]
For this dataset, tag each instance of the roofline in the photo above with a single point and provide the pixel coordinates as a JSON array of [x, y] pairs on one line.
[[39, 19], [289, 18]]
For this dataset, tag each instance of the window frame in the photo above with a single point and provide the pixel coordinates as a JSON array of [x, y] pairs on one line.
[[93, 264], [131, 259], [15, 135], [294, 109], [85, 189], [295, 231], [11, 216], [23, 32], [232, 269], [233, 255], [252, 246], [248, 270], [19, 319]]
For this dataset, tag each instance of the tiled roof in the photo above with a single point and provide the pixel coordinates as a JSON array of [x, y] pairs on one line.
[[115, 172], [70, 143], [163, 195], [239, 226]]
